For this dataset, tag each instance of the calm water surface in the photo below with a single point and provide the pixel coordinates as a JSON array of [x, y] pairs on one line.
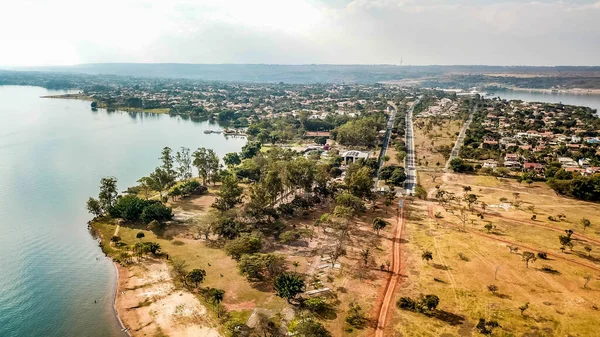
[[592, 101], [52, 155]]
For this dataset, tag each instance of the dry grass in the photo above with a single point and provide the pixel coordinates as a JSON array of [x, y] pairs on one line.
[[558, 303], [426, 142], [241, 296]]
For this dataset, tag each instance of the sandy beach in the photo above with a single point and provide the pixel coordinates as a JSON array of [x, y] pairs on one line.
[[149, 304]]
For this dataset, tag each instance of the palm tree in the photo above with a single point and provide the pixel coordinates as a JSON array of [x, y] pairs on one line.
[[216, 297]]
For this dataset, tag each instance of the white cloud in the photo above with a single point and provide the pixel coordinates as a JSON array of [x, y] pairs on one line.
[[40, 32]]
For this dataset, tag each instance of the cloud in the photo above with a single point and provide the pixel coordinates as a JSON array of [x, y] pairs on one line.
[[300, 31]]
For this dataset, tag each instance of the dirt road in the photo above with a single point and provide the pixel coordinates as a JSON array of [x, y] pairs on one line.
[[388, 297]]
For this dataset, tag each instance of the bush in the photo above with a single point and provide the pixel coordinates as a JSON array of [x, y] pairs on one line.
[[542, 255], [245, 244], [156, 211], [129, 207], [407, 303]]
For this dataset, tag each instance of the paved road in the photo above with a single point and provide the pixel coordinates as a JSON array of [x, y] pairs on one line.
[[409, 161], [461, 138], [386, 139]]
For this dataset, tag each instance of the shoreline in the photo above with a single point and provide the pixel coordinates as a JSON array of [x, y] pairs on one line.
[[83, 97], [117, 289], [572, 91]]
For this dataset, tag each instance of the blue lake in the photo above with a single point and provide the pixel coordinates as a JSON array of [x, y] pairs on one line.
[[53, 153], [592, 101]]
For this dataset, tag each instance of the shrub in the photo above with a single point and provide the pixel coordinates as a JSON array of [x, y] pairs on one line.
[[245, 244], [542, 255], [156, 211]]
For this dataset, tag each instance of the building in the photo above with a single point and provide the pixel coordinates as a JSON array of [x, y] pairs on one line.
[[490, 163], [352, 156]]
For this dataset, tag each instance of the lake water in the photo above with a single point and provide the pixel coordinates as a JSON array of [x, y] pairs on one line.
[[592, 101], [53, 153]]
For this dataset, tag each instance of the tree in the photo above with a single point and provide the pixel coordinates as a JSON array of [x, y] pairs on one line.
[[493, 288], [430, 302], [207, 223], [160, 180], [355, 317], [115, 239], [196, 276], [94, 207], [232, 159], [145, 186], [470, 199], [140, 235], [365, 254], [309, 328], [585, 223], [588, 249], [216, 297], [288, 286], [250, 150], [486, 327], [565, 241], [156, 211], [348, 200], [427, 256], [108, 193], [184, 164], [245, 244], [167, 161], [258, 267], [528, 257], [489, 226], [179, 268], [207, 163], [360, 181], [379, 224], [129, 208], [229, 194]]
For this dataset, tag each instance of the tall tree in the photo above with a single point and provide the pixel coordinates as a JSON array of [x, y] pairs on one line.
[[108, 193], [207, 163], [229, 195], [161, 180], [184, 164], [359, 181], [167, 161]]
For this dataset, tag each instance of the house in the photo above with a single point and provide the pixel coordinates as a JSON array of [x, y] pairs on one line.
[[512, 164], [352, 156], [567, 162], [511, 157], [490, 163], [583, 162], [310, 134], [533, 167]]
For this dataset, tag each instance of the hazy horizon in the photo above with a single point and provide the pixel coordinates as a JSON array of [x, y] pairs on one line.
[[301, 32]]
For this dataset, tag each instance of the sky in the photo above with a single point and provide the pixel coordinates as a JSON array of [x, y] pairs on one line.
[[420, 32]]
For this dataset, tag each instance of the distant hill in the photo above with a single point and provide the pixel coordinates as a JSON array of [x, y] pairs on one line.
[[264, 73]]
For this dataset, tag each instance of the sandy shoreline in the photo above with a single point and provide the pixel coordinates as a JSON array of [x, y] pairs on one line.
[[148, 303], [116, 265]]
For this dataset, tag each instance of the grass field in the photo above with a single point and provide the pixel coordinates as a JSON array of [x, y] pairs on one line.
[[467, 259], [427, 140]]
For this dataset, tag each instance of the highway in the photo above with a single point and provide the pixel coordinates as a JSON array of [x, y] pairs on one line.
[[409, 161]]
